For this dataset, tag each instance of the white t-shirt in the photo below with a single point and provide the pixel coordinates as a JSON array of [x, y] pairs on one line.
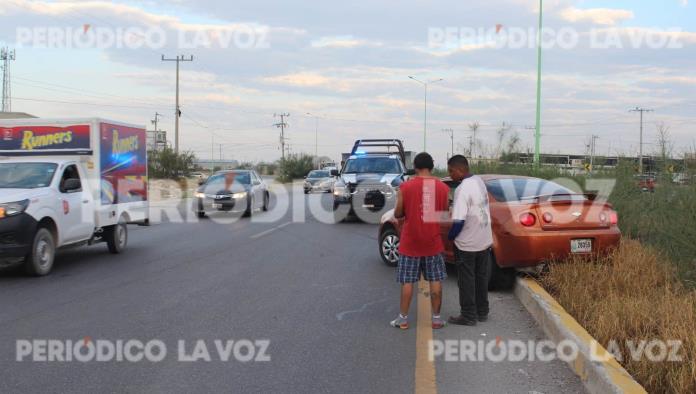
[[471, 205]]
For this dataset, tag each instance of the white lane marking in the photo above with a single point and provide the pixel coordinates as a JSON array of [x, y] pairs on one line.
[[261, 234]]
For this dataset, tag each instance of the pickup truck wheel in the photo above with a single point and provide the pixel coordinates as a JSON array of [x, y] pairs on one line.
[[500, 278], [389, 247], [43, 252], [117, 238]]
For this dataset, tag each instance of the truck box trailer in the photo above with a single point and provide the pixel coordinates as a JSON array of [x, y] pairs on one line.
[[67, 182]]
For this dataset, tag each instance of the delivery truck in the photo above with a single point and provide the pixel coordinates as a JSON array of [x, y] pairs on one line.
[[67, 183]]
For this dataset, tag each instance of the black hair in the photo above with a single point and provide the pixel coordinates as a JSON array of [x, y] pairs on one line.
[[458, 161], [423, 161]]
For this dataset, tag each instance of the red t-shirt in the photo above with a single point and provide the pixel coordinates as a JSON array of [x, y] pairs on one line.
[[425, 199]]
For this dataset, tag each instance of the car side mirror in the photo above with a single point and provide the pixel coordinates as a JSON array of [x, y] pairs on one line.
[[335, 173], [410, 172], [72, 185], [305, 177], [201, 182]]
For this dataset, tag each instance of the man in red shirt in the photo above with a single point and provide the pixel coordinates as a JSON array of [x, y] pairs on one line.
[[422, 203]]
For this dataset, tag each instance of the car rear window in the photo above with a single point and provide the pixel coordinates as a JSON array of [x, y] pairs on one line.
[[520, 189]]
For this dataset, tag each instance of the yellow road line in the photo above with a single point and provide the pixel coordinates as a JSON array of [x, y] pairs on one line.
[[425, 382]]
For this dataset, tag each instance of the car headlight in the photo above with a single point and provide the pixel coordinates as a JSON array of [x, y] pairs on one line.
[[13, 208], [239, 195], [200, 195], [340, 190]]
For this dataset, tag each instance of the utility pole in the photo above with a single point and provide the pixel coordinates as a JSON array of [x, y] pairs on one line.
[[640, 149], [282, 125], [156, 120], [425, 105], [177, 110], [316, 138], [6, 56], [451, 134], [537, 134]]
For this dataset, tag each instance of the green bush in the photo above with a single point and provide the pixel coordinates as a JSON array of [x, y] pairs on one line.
[[294, 166], [167, 164]]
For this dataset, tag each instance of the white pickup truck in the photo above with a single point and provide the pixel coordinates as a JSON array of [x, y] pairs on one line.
[[68, 183]]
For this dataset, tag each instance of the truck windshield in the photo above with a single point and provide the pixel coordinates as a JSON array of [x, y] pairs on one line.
[[26, 175], [382, 165]]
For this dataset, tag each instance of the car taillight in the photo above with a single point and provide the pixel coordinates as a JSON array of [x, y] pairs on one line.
[[527, 219], [613, 217], [548, 218]]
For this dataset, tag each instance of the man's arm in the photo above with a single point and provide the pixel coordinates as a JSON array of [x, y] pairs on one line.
[[399, 210], [457, 227], [460, 209]]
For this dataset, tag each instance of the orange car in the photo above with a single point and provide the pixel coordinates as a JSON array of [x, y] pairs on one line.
[[533, 221]]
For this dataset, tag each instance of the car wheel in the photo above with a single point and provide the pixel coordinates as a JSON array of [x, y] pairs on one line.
[[117, 237], [43, 252], [500, 278], [389, 247], [266, 200]]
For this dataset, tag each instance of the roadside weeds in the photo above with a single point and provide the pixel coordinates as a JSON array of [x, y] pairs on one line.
[[632, 295]]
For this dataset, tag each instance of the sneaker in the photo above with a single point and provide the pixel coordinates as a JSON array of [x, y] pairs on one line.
[[438, 323], [461, 321], [399, 322]]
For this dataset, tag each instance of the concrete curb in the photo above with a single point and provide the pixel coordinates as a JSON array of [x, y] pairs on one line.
[[604, 376]]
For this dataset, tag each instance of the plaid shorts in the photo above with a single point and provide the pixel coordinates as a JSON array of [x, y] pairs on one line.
[[410, 268]]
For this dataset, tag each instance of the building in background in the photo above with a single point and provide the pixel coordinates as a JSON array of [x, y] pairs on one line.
[[217, 164], [156, 140], [15, 115]]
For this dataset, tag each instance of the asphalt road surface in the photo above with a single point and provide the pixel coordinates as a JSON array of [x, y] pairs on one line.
[[317, 292]]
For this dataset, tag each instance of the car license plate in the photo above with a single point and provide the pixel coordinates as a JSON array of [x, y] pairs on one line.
[[581, 246], [217, 206]]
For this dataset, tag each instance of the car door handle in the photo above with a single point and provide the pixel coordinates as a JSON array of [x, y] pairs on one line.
[[85, 201]]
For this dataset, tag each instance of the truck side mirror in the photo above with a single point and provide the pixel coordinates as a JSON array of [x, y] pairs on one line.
[[335, 173], [72, 185]]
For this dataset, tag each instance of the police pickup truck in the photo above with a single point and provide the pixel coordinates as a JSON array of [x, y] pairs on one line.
[[368, 180]]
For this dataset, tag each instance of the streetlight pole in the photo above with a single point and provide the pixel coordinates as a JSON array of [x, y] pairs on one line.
[[537, 134], [425, 105], [316, 137]]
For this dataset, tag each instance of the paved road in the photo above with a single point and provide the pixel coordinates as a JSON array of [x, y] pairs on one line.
[[318, 292]]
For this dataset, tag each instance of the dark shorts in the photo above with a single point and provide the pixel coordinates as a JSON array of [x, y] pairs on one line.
[[410, 268]]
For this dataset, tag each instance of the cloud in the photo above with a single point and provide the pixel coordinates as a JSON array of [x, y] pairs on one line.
[[342, 42], [599, 16]]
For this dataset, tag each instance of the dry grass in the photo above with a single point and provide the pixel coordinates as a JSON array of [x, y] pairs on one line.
[[632, 294]]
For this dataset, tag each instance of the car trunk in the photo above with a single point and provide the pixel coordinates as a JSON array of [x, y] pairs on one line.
[[572, 215]]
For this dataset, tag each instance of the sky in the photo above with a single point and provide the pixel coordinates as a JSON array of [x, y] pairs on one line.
[[341, 71]]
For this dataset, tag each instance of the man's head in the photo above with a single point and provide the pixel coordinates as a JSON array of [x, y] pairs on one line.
[[458, 167], [423, 164]]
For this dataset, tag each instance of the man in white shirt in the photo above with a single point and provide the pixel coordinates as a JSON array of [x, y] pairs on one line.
[[473, 239]]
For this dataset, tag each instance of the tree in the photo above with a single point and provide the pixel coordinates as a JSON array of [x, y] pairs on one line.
[[167, 164], [664, 144], [473, 142], [295, 166]]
